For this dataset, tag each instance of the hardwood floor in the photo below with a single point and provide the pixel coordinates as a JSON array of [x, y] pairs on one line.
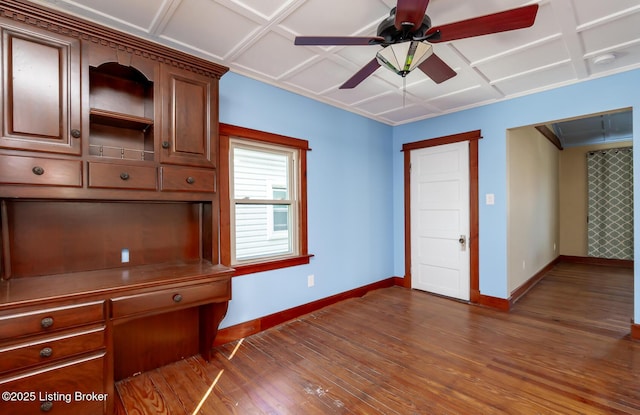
[[563, 349]]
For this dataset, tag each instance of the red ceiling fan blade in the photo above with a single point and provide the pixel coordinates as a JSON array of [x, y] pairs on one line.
[[337, 40], [361, 75], [410, 11], [436, 69], [492, 23]]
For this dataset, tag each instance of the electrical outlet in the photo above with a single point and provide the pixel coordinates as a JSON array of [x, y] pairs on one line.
[[124, 255], [310, 280]]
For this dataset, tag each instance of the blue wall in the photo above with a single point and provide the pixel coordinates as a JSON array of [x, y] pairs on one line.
[[356, 184], [603, 94], [349, 197]]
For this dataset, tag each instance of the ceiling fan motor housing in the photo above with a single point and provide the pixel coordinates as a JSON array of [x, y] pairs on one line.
[[391, 34]]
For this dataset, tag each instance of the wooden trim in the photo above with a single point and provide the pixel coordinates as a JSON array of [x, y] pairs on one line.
[[448, 139], [474, 215], [228, 131], [622, 263], [225, 202], [550, 135], [474, 224], [271, 265], [407, 219], [282, 140], [501, 304], [635, 331], [519, 292], [248, 328]]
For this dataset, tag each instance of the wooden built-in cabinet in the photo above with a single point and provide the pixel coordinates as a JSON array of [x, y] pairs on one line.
[[109, 252], [40, 90]]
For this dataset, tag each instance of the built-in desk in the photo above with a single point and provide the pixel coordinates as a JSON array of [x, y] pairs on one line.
[[65, 335]]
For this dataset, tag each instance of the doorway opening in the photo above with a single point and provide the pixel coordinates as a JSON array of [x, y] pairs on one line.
[[548, 195]]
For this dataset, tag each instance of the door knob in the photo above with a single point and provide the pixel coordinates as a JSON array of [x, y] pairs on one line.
[[462, 240]]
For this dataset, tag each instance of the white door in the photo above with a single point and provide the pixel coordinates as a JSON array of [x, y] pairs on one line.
[[440, 220]]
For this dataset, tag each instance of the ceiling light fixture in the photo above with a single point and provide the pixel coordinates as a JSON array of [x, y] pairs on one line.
[[402, 58], [605, 59]]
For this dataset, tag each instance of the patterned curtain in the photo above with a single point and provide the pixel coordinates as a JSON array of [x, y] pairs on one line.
[[610, 227]]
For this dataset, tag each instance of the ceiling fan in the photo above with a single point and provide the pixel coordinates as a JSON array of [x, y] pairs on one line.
[[406, 37]]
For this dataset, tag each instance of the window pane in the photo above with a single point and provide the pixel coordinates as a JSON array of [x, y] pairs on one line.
[[262, 230], [258, 174]]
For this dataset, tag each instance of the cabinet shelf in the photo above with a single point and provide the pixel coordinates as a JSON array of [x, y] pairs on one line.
[[117, 119]]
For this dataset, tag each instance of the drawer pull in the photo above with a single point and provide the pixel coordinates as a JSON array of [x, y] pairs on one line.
[[46, 322], [46, 406], [75, 133], [124, 175], [38, 171], [177, 298], [191, 180], [46, 352], [165, 144]]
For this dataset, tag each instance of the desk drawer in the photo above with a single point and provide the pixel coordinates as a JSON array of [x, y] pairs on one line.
[[170, 299], [54, 389], [181, 179], [40, 171], [50, 348], [122, 176], [39, 321]]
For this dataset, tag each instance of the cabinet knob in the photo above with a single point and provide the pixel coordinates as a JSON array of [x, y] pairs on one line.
[[46, 352], [165, 144], [75, 133], [191, 180], [38, 171], [46, 406], [46, 322], [177, 298], [124, 175]]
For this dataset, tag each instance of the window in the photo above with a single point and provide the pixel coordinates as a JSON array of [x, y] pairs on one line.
[[262, 199]]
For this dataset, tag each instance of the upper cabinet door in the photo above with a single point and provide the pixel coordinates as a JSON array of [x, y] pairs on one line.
[[40, 91], [189, 118]]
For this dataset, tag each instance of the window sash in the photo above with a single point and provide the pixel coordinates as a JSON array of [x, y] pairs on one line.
[[270, 242]]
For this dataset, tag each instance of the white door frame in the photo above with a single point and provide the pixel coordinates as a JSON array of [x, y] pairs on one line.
[[474, 271]]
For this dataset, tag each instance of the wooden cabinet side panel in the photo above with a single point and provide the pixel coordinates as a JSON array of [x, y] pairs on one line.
[[41, 91]]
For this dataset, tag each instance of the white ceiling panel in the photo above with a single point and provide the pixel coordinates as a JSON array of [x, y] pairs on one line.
[[613, 34], [321, 76], [139, 14], [191, 25], [271, 57], [267, 9], [592, 12], [329, 18], [522, 60], [537, 79], [255, 38]]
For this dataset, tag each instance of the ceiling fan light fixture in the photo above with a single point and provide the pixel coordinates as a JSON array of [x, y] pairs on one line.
[[402, 58]]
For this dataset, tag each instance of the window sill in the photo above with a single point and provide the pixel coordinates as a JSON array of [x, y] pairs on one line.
[[270, 265]]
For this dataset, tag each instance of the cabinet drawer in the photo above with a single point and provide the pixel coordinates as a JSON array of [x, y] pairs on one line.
[[180, 179], [38, 321], [169, 299], [50, 348], [40, 171], [72, 387], [122, 176]]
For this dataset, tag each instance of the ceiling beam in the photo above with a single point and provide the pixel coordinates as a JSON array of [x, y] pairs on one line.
[[551, 136]]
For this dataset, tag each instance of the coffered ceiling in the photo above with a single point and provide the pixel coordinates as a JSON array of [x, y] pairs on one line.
[[570, 41]]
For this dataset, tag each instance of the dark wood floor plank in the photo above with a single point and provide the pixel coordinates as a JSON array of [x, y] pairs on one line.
[[563, 349]]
